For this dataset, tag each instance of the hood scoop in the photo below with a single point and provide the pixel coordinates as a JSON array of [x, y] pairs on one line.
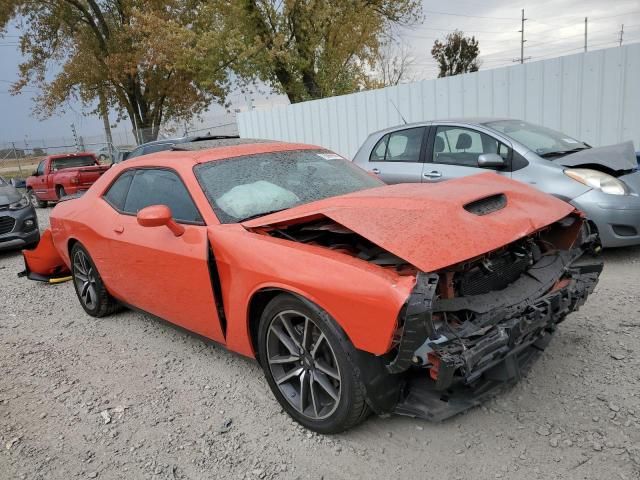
[[487, 205]]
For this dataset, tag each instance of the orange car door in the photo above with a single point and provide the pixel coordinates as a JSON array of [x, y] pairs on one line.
[[158, 272]]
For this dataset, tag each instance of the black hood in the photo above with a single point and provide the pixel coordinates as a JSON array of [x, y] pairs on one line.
[[620, 157], [8, 194]]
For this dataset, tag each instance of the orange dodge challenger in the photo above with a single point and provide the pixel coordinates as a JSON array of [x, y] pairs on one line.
[[354, 296]]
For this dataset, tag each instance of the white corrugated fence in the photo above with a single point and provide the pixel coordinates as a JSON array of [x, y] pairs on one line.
[[593, 96]]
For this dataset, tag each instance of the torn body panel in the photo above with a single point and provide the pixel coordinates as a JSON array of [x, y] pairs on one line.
[[44, 263], [487, 338]]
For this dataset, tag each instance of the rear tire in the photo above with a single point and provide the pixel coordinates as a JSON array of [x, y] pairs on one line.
[[91, 292], [60, 192], [310, 366], [35, 201]]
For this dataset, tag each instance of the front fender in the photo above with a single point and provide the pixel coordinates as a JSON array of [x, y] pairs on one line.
[[364, 299]]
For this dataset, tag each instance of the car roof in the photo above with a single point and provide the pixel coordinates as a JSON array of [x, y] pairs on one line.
[[188, 139], [203, 153], [462, 120]]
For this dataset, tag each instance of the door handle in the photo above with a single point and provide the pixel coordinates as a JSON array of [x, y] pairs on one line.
[[375, 170], [433, 174], [119, 229]]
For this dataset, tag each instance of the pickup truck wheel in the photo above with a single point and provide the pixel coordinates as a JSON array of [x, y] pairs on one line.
[[310, 365], [35, 201], [91, 292], [60, 192]]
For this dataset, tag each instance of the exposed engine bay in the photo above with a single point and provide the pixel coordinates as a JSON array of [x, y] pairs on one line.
[[473, 326]]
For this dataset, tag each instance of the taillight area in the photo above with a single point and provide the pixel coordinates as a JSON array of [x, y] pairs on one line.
[[75, 180]]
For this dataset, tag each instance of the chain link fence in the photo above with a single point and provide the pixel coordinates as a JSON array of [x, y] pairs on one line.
[[20, 157]]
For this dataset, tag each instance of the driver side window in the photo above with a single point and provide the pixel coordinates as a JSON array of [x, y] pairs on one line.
[[137, 189], [40, 168], [462, 146]]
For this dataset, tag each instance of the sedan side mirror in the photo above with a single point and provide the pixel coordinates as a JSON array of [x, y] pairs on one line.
[[491, 160], [158, 216]]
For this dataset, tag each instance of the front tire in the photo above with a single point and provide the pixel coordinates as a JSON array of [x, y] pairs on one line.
[[310, 366], [91, 292]]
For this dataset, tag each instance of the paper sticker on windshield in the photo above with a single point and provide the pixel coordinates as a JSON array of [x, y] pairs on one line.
[[570, 140], [330, 156]]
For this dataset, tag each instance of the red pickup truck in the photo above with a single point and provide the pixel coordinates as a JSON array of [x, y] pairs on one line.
[[60, 175]]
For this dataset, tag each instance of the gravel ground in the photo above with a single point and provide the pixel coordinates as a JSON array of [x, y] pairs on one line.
[[132, 397]]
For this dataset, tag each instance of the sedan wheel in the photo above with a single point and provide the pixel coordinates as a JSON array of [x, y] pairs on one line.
[[309, 364], [85, 279], [91, 292], [303, 364]]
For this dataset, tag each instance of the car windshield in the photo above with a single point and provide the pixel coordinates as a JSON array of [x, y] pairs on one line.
[[545, 142], [72, 162], [255, 185]]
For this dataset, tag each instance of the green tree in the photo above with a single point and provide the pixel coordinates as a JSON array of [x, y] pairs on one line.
[[311, 49], [131, 55], [457, 54]]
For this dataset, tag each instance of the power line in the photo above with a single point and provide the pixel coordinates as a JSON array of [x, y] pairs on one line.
[[468, 16]]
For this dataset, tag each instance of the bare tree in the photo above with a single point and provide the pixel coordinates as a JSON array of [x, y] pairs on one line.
[[393, 65]]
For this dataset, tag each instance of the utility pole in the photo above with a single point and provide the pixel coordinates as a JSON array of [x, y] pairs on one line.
[[585, 33], [621, 33], [522, 40], [75, 137]]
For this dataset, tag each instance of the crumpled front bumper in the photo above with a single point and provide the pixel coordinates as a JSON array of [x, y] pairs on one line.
[[519, 323]]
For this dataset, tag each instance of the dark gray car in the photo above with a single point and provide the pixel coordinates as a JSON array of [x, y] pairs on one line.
[[603, 182], [18, 221]]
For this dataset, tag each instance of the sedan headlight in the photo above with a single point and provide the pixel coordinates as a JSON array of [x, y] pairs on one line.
[[595, 179], [20, 204]]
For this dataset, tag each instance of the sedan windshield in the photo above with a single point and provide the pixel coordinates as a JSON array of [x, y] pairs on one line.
[[256, 185], [545, 142]]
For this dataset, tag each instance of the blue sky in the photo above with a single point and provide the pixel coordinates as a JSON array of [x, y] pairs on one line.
[[555, 27]]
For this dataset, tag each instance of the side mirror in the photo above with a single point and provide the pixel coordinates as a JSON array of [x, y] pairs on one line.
[[491, 160], [158, 216]]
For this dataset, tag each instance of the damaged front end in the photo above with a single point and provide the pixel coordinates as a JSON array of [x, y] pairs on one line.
[[468, 329]]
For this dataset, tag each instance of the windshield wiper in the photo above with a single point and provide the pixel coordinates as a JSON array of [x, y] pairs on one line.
[[561, 153], [263, 214]]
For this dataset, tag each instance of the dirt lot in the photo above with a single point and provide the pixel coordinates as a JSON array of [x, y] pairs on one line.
[[131, 397]]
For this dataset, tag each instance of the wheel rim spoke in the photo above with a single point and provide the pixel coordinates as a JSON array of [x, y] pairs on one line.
[[288, 376], [314, 351], [285, 340], [314, 400], [289, 328], [326, 385], [282, 359], [304, 386], [327, 370]]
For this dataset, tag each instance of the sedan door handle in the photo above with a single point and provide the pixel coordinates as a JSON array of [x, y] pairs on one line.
[[375, 170], [119, 229], [433, 174]]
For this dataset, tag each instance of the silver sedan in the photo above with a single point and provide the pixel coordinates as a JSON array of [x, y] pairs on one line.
[[603, 182]]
